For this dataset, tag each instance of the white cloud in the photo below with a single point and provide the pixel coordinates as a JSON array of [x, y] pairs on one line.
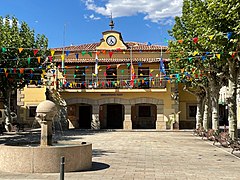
[[92, 17], [154, 10]]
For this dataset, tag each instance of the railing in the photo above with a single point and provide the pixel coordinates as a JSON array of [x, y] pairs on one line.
[[112, 83]]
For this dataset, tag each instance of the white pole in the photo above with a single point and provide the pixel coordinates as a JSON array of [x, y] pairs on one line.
[[131, 61]]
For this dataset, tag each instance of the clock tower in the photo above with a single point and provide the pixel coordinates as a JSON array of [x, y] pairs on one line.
[[112, 40]]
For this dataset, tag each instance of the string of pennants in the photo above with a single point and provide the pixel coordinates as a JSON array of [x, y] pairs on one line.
[[195, 40]]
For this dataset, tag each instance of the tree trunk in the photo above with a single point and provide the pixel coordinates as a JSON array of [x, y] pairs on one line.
[[207, 106], [215, 88], [232, 103], [7, 111], [199, 115]]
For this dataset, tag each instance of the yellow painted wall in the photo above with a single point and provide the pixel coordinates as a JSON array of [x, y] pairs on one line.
[[32, 97], [185, 99]]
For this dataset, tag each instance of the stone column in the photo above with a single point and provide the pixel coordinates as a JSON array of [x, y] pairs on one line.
[[95, 124], [127, 123], [46, 132], [160, 123]]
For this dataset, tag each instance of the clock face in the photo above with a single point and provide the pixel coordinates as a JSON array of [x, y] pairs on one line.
[[111, 40]]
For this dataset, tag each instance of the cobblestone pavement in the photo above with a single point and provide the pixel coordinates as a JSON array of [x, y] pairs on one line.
[[147, 155]]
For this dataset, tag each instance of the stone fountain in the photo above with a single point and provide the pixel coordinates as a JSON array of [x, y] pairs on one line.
[[45, 158]]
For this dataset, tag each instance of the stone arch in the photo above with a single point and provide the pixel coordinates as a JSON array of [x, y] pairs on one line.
[[113, 101], [80, 101]]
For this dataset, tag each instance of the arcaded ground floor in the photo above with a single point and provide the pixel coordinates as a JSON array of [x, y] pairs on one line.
[[117, 113], [145, 154]]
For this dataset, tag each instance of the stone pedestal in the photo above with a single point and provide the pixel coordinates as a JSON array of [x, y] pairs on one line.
[[46, 133], [160, 123], [127, 123]]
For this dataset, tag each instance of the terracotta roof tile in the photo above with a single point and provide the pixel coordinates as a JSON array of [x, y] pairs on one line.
[[111, 60], [136, 46]]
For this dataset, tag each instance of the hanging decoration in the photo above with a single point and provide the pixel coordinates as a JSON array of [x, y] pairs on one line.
[[35, 51], [90, 54], [76, 56], [229, 35], [67, 53], [20, 50], [110, 54], [83, 53], [211, 37], [195, 40], [4, 49]]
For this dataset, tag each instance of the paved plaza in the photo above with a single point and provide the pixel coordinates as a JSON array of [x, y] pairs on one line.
[[147, 155]]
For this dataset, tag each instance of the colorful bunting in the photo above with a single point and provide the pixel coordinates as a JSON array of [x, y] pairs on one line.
[[29, 60], [180, 41], [67, 53], [35, 51], [211, 37], [20, 50], [52, 52], [76, 55], [195, 40], [218, 56], [83, 53], [90, 54], [229, 35], [4, 49], [39, 59], [110, 54]]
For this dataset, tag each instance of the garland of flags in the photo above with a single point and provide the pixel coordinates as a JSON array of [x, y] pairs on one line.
[[172, 77]]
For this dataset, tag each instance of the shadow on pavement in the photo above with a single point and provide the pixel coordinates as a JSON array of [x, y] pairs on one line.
[[99, 152], [97, 166]]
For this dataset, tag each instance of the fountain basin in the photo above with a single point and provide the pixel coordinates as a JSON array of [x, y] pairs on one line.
[[45, 159]]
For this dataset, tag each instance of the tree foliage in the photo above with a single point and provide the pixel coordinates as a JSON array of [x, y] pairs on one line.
[[207, 43], [19, 67]]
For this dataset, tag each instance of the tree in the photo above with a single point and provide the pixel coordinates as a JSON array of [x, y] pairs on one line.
[[204, 30], [21, 57], [225, 18]]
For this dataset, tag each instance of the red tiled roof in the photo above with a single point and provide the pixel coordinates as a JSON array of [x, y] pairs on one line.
[[136, 46], [111, 60]]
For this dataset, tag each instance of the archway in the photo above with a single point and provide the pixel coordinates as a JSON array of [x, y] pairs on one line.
[[144, 116], [85, 116], [114, 116]]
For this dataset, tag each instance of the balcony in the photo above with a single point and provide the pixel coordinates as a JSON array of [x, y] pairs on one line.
[[121, 84]]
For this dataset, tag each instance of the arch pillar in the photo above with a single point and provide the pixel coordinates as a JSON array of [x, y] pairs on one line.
[[127, 123], [160, 123]]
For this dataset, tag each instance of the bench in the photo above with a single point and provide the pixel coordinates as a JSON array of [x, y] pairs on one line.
[[209, 134], [235, 145], [223, 138], [199, 131]]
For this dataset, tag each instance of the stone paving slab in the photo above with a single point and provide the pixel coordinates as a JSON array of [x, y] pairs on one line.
[[147, 155]]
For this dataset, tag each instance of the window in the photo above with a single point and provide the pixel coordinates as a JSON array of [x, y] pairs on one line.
[[32, 111], [144, 111], [192, 110]]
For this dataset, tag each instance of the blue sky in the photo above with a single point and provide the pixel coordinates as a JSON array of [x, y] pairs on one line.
[[85, 20]]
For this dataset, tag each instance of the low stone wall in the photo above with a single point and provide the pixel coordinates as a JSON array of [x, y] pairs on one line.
[[39, 159]]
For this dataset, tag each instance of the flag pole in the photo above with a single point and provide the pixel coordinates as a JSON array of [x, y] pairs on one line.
[[160, 67]]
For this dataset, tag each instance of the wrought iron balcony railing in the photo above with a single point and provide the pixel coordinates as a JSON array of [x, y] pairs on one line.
[[111, 83]]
